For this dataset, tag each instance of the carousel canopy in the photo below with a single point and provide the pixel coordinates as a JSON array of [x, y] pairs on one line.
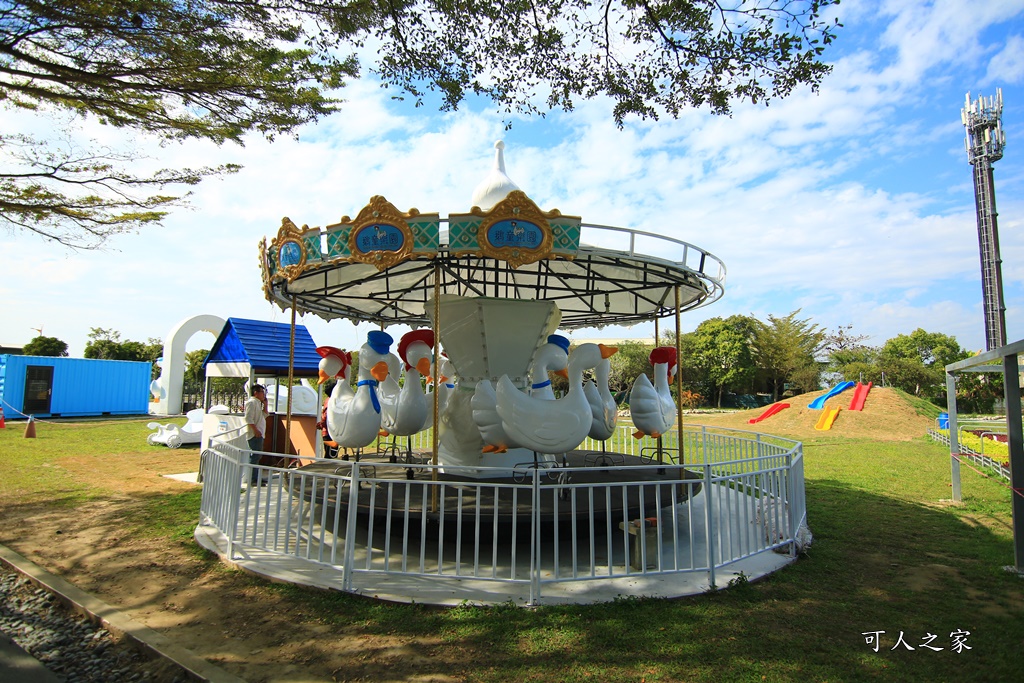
[[387, 266]]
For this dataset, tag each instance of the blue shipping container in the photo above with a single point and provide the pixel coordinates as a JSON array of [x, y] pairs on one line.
[[45, 386]]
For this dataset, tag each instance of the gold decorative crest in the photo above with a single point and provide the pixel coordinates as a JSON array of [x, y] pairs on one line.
[[288, 251], [516, 230], [380, 234]]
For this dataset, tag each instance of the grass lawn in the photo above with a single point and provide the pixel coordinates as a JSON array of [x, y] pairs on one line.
[[891, 555]]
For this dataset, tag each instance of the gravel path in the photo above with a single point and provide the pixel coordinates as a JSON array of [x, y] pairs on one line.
[[68, 644]]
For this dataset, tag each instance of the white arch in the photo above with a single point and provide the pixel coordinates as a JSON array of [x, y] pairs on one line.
[[172, 374]]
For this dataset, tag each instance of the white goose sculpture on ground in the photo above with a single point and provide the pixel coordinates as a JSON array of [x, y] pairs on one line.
[[602, 404], [406, 414], [556, 426], [651, 406], [353, 417], [550, 357]]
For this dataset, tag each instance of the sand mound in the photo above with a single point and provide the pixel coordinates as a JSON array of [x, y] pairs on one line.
[[887, 416]]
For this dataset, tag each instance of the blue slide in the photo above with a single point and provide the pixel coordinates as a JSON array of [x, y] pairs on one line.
[[819, 403]]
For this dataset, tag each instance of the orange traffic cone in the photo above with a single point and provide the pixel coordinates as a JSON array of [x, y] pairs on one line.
[[3, 424], [30, 428]]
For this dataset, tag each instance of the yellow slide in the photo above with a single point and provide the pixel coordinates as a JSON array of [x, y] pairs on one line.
[[828, 416]]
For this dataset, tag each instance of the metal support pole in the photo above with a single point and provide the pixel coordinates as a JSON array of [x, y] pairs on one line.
[[435, 436], [679, 384], [291, 379], [1015, 434], [954, 444]]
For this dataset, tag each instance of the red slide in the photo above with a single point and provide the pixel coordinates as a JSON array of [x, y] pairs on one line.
[[772, 409], [860, 394]]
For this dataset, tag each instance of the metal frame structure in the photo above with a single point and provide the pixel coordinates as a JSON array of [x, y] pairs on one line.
[[1005, 360], [984, 143], [598, 285]]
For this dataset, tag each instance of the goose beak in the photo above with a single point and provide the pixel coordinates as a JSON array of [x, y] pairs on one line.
[[423, 366], [561, 373], [379, 371], [323, 377], [608, 351]]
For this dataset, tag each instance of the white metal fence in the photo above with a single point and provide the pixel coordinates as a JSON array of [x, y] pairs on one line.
[[365, 518]]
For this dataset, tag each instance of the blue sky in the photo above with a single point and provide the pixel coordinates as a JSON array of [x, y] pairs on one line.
[[854, 204]]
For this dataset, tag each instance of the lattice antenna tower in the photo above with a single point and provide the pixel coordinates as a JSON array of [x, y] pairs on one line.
[[985, 142]]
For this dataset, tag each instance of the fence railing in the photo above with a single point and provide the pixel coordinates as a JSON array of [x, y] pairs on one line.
[[968, 453], [737, 495]]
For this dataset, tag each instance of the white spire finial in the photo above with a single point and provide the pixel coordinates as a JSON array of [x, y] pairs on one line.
[[499, 156], [496, 185]]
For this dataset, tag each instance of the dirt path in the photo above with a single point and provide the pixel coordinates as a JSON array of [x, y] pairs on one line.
[[221, 615]]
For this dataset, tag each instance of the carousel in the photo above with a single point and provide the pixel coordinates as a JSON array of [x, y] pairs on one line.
[[487, 294]]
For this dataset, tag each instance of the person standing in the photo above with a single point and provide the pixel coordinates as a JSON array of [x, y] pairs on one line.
[[256, 423]]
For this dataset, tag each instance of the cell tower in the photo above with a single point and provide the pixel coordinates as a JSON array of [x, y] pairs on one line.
[[985, 142]]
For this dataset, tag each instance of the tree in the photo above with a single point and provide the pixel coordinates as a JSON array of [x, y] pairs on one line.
[[841, 340], [856, 364], [916, 362], [220, 69], [210, 69], [845, 355], [630, 361], [45, 346], [106, 344], [195, 374], [649, 58], [785, 350], [722, 350]]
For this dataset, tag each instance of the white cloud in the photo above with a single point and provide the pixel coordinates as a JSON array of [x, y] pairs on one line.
[[1007, 65]]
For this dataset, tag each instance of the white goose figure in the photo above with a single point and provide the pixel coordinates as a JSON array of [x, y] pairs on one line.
[[409, 412], [555, 426], [602, 403], [651, 406], [551, 356], [445, 387], [353, 417]]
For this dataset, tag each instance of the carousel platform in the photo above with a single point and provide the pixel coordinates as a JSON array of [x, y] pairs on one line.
[[585, 486]]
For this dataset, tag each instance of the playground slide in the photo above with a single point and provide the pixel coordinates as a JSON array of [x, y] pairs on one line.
[[772, 409], [860, 394], [819, 403], [827, 418]]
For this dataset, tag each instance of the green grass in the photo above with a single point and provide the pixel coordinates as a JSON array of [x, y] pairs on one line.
[[891, 553]]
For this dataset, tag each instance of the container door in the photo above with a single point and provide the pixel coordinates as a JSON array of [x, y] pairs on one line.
[[38, 389]]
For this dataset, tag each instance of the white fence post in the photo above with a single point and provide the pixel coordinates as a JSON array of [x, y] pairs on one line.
[[233, 485], [350, 524], [535, 539], [709, 525]]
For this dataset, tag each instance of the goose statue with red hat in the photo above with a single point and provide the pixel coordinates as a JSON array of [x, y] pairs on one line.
[[550, 357], [406, 413], [353, 416], [651, 405], [557, 426]]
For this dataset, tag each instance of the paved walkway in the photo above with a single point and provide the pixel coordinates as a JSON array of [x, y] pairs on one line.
[[18, 666]]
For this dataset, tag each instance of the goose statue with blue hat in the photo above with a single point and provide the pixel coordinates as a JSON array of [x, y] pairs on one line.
[[353, 416]]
